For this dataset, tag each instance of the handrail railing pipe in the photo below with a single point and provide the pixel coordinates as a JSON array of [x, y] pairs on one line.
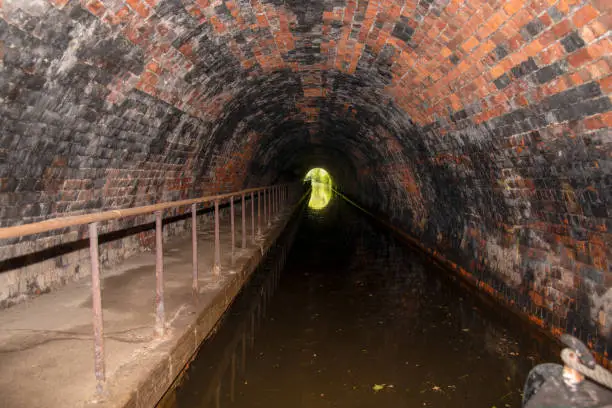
[[194, 250], [253, 217], [93, 220], [265, 204], [160, 320], [243, 219], [233, 227], [274, 207], [259, 213], [217, 264], [268, 221], [96, 300]]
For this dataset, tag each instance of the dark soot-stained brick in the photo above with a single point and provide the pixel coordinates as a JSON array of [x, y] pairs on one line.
[[572, 42], [583, 109], [502, 82], [524, 68], [532, 29], [459, 115], [571, 96], [500, 51], [402, 30], [555, 14], [550, 72]]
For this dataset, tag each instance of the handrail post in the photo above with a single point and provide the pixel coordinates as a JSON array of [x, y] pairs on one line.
[[258, 212], [159, 276], [253, 216], [233, 224], [194, 249], [96, 297], [217, 265], [269, 205], [265, 206], [243, 208]]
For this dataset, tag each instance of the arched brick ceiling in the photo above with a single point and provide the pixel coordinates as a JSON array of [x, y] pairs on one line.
[[481, 127], [329, 71]]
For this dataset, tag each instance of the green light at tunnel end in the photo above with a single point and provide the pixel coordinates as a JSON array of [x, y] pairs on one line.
[[321, 183]]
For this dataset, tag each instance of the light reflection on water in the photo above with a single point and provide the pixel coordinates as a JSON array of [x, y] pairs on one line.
[[320, 196]]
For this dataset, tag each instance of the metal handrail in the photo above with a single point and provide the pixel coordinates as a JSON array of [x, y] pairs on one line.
[[274, 197], [63, 222]]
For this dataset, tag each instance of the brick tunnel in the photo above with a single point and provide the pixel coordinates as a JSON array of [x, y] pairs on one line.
[[480, 129]]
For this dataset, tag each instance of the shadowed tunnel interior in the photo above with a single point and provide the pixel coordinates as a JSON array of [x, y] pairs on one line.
[[479, 128], [355, 318]]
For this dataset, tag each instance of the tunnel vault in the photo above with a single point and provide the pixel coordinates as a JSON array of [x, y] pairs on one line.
[[482, 128]]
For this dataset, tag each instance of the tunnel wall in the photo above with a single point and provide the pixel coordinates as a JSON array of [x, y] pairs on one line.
[[481, 127], [80, 131], [507, 173]]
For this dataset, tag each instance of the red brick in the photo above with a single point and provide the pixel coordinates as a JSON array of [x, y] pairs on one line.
[[533, 48], [95, 7], [138, 7], [588, 53], [546, 20], [578, 79], [551, 54], [513, 6], [521, 18], [154, 67], [470, 44], [603, 5], [262, 20], [516, 42], [606, 84], [598, 69], [584, 15], [599, 121], [149, 78], [562, 28]]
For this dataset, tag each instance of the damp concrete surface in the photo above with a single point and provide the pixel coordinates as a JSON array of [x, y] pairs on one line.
[[46, 343]]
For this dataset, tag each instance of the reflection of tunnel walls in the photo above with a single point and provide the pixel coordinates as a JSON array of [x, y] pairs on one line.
[[482, 127]]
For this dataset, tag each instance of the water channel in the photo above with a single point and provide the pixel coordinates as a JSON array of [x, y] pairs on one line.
[[358, 319]]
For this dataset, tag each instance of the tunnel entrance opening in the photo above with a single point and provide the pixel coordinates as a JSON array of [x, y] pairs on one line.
[[322, 184]]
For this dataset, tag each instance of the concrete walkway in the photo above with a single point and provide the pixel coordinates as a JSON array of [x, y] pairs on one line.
[[46, 347]]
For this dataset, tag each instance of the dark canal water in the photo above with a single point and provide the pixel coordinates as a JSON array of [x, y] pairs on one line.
[[357, 319]]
